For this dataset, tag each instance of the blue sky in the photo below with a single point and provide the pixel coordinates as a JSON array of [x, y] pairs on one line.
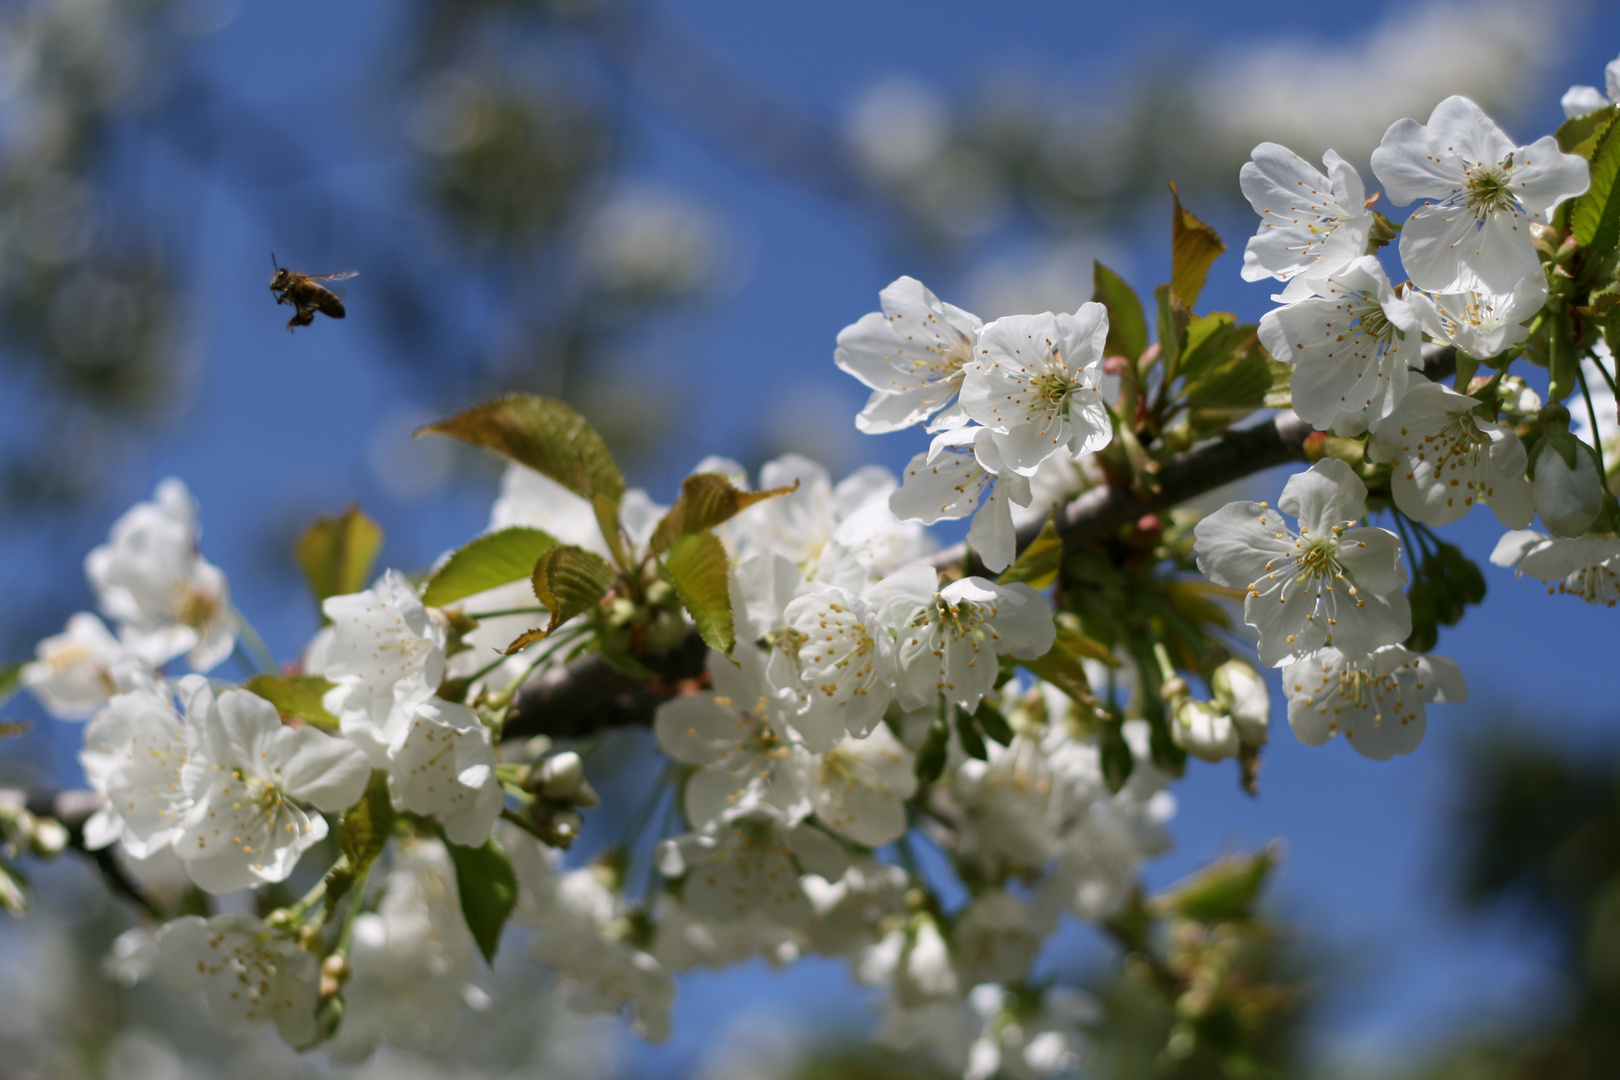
[[281, 421]]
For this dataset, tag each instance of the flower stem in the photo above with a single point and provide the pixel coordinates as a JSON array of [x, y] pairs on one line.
[[255, 644]]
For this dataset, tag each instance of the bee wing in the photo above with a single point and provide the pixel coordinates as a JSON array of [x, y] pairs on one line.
[[341, 275]]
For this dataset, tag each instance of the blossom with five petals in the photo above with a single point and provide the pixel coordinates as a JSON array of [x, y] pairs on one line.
[[1447, 457], [250, 975], [1311, 225], [912, 354], [1377, 701]]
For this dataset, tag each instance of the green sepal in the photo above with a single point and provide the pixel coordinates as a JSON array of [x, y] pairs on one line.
[[492, 560], [1114, 752], [931, 754], [968, 735], [993, 723]]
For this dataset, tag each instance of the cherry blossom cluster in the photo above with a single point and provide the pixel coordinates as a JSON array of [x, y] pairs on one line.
[[869, 734]]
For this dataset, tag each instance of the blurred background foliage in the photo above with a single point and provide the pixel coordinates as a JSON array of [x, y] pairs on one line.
[[478, 161]]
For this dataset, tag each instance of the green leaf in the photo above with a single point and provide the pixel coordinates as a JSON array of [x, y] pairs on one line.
[[992, 723], [296, 695], [1127, 325], [1174, 315], [707, 500], [498, 558], [1222, 891], [968, 735], [10, 680], [487, 886], [1210, 340], [567, 580], [931, 754], [1193, 246], [362, 833], [1581, 134], [1241, 382], [546, 435], [1115, 753], [337, 553], [698, 567], [1594, 217], [1037, 565]]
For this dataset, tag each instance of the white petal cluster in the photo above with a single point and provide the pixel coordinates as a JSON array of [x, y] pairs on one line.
[[1580, 100], [248, 974], [948, 481], [1311, 225], [79, 670], [1376, 701], [912, 354], [1448, 457], [1584, 566], [152, 580]]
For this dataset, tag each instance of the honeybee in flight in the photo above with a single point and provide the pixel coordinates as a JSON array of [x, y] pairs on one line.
[[305, 296]]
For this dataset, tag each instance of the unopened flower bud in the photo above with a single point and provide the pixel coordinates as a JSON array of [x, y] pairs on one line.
[[561, 775], [1204, 731], [1568, 500], [1241, 691]]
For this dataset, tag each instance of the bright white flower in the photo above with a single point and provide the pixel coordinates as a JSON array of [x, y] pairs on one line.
[[1007, 807], [1482, 324], [1376, 701], [77, 670], [860, 786], [152, 580], [442, 765], [996, 939], [133, 752], [834, 663], [243, 773], [1353, 346], [1204, 731], [1331, 583], [949, 639], [1568, 500], [1035, 383], [1482, 192], [806, 525], [750, 861], [582, 922], [386, 654], [729, 734], [1311, 226], [1241, 691], [1025, 1043], [410, 961], [249, 974], [1447, 457], [1580, 100], [1584, 566], [849, 910], [911, 354], [947, 482]]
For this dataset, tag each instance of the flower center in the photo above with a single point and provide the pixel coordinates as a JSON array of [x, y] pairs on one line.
[[1490, 187], [1319, 560], [1053, 388], [194, 607]]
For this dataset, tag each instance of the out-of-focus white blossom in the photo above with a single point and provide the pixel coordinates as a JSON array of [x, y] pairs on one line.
[[1579, 100], [1583, 566], [78, 670], [248, 974]]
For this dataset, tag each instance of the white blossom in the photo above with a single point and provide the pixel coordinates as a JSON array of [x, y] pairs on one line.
[[1007, 806], [1481, 191], [947, 482], [728, 733], [912, 354], [1331, 583], [410, 960], [1241, 692], [1311, 225], [442, 765], [134, 749], [1205, 731], [152, 580], [850, 908], [249, 975], [750, 861], [386, 654], [1482, 324], [77, 671], [1580, 100], [1376, 701], [1584, 566], [1035, 383], [834, 663], [1447, 457], [860, 786], [1024, 1043], [1567, 500], [243, 773], [1353, 346], [950, 639], [996, 939]]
